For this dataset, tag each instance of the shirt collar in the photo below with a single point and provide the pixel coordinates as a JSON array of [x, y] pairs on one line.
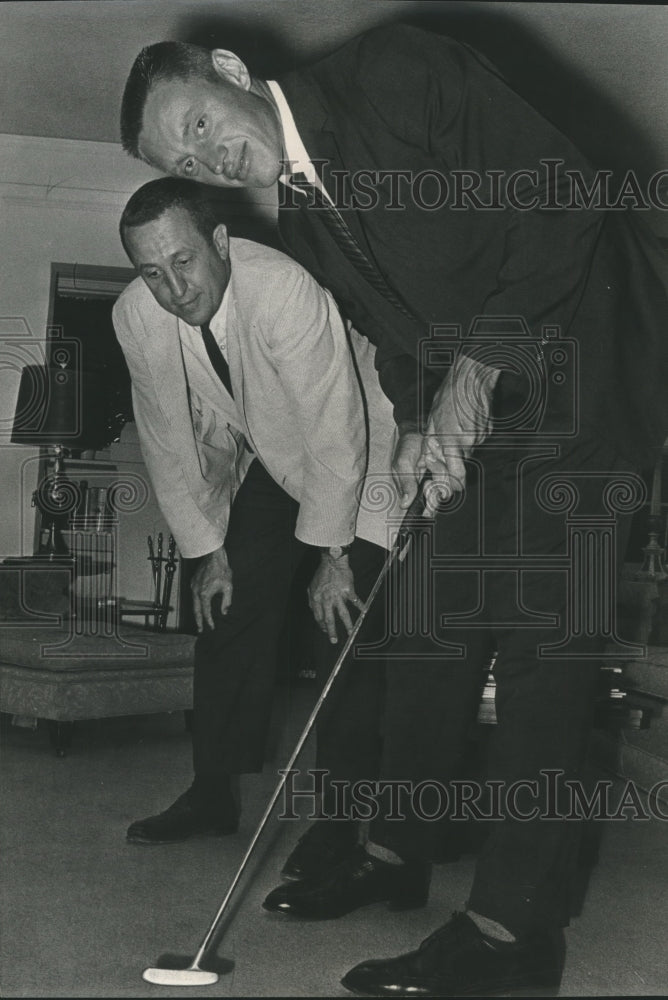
[[295, 150], [217, 323]]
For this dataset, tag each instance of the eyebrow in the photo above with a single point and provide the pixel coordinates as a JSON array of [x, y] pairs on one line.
[[187, 118]]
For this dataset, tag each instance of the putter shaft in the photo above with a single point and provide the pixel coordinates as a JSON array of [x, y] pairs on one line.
[[396, 551], [201, 977]]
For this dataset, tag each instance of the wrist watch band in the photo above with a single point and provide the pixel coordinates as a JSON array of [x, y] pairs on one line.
[[336, 551]]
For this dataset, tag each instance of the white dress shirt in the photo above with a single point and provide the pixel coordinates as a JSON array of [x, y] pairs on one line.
[[294, 147]]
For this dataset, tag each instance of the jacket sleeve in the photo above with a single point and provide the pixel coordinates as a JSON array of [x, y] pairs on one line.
[[408, 385], [310, 349], [194, 532]]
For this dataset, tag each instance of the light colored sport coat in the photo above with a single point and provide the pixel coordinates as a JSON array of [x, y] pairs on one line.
[[298, 406]]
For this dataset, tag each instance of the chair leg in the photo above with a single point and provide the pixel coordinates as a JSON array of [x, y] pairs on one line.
[[60, 735]]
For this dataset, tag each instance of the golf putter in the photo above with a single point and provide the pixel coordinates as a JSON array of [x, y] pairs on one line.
[[177, 970]]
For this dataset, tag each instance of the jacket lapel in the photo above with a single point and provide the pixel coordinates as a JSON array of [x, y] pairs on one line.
[[234, 355], [168, 366], [238, 367]]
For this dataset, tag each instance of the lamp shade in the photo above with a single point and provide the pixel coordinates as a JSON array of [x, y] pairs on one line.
[[60, 406]]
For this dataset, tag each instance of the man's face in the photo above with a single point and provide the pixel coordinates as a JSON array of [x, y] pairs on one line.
[[186, 273], [216, 133]]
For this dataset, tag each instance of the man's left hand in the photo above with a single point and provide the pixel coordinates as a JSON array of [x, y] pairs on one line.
[[330, 590], [460, 419]]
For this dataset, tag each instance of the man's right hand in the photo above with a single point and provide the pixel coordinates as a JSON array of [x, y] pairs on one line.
[[407, 469], [212, 576], [332, 586]]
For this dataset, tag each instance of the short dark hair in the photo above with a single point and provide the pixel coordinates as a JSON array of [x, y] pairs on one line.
[[152, 199], [162, 61]]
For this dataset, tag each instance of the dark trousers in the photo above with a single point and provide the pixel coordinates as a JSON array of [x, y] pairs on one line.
[[350, 720], [506, 570], [235, 663]]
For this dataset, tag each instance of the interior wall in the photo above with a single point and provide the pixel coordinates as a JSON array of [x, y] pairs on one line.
[[60, 200], [597, 69], [42, 222]]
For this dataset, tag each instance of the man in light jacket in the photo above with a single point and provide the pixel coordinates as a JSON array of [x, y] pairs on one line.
[[257, 423]]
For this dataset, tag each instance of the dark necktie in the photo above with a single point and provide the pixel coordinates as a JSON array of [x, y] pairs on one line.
[[338, 227], [217, 358]]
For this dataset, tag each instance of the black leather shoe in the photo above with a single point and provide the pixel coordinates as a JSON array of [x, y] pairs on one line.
[[458, 960], [183, 819], [359, 880], [326, 843]]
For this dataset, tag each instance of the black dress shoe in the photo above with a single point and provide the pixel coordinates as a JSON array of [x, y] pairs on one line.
[[326, 843], [185, 818], [458, 960], [359, 880]]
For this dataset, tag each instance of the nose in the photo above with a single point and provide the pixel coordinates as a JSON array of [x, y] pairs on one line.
[[177, 284], [213, 159]]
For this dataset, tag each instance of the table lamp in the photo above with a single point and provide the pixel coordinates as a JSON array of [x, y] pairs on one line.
[[63, 409]]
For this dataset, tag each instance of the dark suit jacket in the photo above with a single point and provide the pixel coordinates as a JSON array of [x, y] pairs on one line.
[[399, 99]]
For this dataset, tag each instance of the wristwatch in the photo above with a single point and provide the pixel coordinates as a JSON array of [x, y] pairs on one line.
[[336, 551]]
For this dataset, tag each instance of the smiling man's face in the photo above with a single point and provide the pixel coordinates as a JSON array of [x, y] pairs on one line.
[[214, 132]]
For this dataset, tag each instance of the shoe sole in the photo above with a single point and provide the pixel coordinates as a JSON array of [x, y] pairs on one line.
[[499, 991], [147, 842], [307, 876], [391, 904]]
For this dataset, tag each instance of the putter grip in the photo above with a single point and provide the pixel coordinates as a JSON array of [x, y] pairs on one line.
[[416, 509]]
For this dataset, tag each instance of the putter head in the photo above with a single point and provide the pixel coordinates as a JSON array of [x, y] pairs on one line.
[[180, 970], [179, 977]]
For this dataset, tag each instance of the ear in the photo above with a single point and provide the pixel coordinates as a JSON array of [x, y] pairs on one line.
[[221, 241], [229, 67]]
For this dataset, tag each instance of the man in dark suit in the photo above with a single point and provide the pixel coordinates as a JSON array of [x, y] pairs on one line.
[[520, 334]]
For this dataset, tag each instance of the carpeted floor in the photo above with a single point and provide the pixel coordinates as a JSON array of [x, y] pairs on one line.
[[83, 912]]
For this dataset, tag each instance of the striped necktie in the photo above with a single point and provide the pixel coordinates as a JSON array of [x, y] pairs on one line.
[[338, 227], [217, 358]]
